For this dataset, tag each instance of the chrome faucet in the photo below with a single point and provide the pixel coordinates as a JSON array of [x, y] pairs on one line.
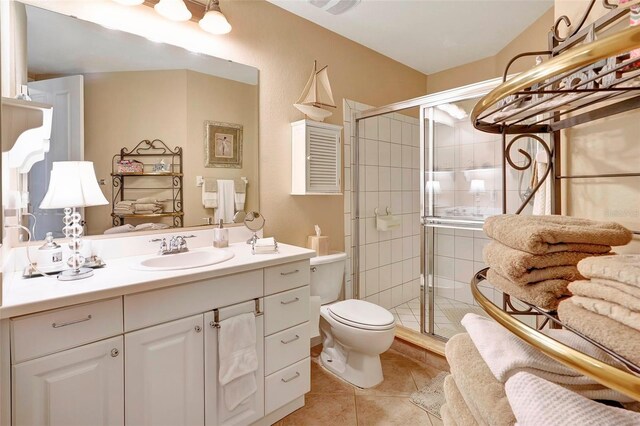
[[176, 244]]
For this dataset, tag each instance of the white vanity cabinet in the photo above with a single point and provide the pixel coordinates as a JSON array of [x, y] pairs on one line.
[[164, 370], [151, 357]]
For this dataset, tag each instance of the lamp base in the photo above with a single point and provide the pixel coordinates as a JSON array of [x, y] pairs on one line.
[[71, 275]]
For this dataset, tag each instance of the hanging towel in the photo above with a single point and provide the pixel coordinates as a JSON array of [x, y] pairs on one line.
[[226, 201], [238, 358], [542, 197], [240, 200], [537, 402], [209, 199]]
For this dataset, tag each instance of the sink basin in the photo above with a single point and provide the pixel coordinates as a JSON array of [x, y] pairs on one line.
[[187, 260]]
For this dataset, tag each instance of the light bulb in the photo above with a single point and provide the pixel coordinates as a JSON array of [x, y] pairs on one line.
[[215, 22], [174, 10], [129, 2]]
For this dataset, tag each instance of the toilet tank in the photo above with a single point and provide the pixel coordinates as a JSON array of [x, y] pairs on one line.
[[327, 274]]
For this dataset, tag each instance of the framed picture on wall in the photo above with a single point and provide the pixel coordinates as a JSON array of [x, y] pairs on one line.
[[222, 144]]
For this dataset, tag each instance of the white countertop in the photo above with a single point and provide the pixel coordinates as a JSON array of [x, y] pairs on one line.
[[24, 296]]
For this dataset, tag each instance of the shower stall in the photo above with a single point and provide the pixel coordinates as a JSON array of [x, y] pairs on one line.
[[423, 181]]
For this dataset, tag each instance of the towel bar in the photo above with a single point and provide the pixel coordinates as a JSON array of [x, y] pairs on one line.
[[216, 314]]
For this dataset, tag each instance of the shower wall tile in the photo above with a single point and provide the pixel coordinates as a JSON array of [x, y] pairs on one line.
[[384, 129]]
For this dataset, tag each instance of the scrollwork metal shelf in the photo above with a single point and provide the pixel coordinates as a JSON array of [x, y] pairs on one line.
[[619, 379], [170, 180]]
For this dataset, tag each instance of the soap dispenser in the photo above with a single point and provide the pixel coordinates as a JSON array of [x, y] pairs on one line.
[[220, 236], [50, 255]]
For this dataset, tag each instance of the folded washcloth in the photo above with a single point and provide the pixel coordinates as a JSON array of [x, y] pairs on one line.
[[148, 206], [459, 412], [148, 211], [612, 310], [545, 294], [146, 200], [151, 226], [482, 393], [613, 291], [614, 335], [238, 358], [548, 234], [447, 418], [210, 184], [240, 186], [538, 402], [505, 354], [265, 242], [120, 229], [624, 268], [522, 267]]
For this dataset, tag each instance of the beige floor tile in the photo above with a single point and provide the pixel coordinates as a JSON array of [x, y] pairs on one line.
[[423, 374], [323, 382], [322, 410], [389, 411], [435, 421]]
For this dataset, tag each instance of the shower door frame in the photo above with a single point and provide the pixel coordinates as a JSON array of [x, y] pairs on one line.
[[425, 102]]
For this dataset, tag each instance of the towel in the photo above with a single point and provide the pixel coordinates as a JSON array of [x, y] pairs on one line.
[[538, 402], [608, 309], [240, 200], [120, 229], [548, 234], [210, 184], [522, 267], [482, 393], [226, 201], [612, 291], [238, 358], [447, 419], [146, 200], [545, 294], [505, 354], [240, 186], [124, 207], [459, 412], [610, 333], [151, 226], [265, 246], [624, 268], [148, 207]]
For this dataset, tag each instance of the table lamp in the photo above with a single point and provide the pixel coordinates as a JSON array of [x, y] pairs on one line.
[[73, 184]]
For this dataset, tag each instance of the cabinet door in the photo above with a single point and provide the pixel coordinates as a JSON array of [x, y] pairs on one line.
[[165, 374], [81, 386]]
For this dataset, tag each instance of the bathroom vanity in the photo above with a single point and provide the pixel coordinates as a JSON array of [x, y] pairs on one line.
[[140, 347]]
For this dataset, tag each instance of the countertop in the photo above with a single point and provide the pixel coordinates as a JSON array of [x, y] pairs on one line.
[[24, 296]]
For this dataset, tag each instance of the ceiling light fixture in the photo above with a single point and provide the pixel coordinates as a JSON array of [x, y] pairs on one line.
[[453, 110], [335, 7], [129, 2], [174, 10], [214, 21]]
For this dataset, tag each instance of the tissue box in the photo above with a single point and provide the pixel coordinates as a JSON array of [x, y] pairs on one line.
[[319, 244]]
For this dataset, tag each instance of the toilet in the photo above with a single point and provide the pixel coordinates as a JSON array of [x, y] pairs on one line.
[[354, 332]]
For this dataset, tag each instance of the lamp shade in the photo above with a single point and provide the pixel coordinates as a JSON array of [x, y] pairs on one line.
[[73, 184], [215, 22], [477, 186], [174, 10], [129, 2]]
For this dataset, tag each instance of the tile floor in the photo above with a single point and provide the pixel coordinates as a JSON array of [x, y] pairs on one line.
[[337, 403]]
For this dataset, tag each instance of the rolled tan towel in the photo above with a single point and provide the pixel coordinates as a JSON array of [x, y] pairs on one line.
[[610, 333], [482, 393], [545, 294], [447, 418], [459, 410], [612, 310], [523, 268], [624, 268], [550, 234], [613, 291]]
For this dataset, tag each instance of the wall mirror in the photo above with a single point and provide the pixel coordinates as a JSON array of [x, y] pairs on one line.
[[110, 90]]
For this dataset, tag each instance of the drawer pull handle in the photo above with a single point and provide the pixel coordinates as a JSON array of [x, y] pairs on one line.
[[64, 324], [289, 273], [290, 301], [293, 339], [291, 378]]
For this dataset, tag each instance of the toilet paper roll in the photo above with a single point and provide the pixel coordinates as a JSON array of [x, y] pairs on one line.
[[314, 316]]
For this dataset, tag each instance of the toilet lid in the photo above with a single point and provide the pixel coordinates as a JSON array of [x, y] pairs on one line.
[[361, 314]]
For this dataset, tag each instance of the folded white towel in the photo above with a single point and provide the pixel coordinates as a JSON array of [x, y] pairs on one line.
[[506, 355], [238, 358], [120, 229], [266, 242], [538, 402], [226, 201], [265, 246]]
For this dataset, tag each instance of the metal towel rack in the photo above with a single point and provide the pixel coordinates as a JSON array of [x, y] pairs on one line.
[[216, 314]]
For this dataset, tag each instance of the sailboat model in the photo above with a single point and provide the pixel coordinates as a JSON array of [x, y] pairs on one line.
[[316, 95]]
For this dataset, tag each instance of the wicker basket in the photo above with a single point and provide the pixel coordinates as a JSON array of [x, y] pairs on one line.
[[130, 166]]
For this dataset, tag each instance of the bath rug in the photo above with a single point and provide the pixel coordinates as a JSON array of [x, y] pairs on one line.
[[431, 397]]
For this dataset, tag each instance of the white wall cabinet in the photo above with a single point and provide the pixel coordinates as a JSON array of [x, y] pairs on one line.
[[81, 386], [316, 162], [165, 374]]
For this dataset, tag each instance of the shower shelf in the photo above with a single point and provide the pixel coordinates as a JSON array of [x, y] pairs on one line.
[[624, 381]]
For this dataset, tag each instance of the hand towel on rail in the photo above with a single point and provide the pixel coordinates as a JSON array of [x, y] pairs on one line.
[[226, 201]]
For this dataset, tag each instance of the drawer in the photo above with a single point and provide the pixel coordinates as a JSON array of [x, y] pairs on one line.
[[52, 331], [286, 385], [284, 310], [285, 277], [286, 347]]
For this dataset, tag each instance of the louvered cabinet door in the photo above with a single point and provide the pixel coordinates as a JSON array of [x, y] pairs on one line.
[[316, 158]]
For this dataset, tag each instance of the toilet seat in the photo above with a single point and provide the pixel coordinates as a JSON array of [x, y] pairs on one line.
[[361, 314]]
